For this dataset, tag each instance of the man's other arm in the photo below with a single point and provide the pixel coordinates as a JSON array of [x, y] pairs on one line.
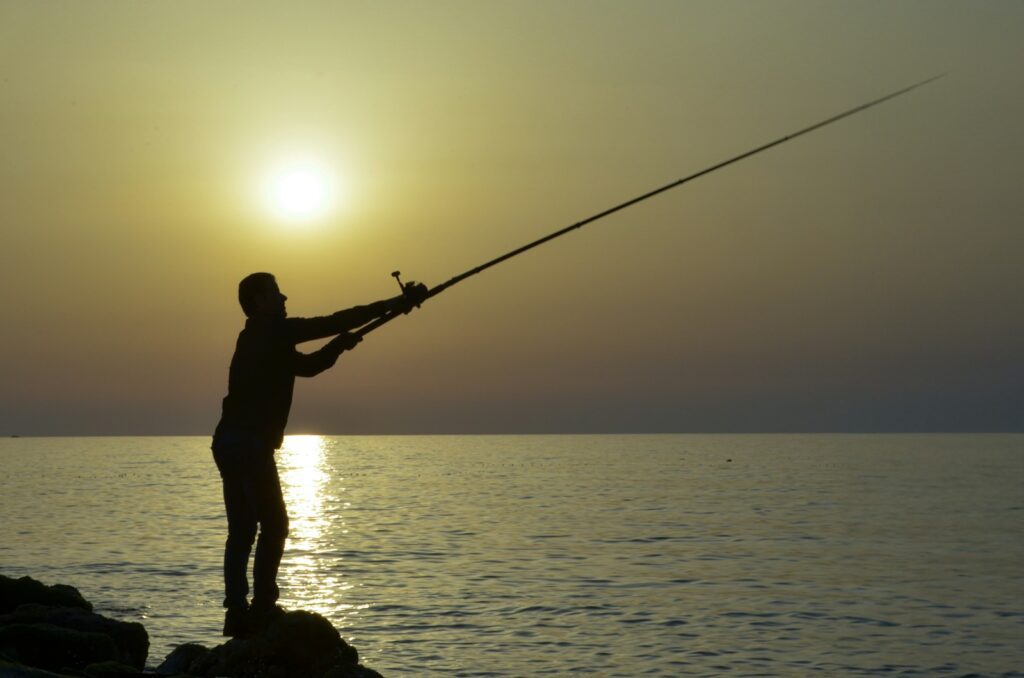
[[312, 364]]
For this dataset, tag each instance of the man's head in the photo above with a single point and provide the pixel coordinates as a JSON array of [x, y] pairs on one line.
[[260, 297]]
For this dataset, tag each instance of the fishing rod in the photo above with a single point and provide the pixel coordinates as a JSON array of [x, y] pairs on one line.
[[434, 291]]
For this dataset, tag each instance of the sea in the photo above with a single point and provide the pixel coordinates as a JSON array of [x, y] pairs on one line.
[[527, 555]]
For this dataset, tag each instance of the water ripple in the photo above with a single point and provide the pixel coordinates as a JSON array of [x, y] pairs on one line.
[[553, 555]]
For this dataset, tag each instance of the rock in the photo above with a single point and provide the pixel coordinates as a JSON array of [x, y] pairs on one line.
[[15, 592], [309, 640], [53, 648], [54, 628], [296, 644], [130, 639], [112, 670], [182, 659], [358, 671], [51, 632], [12, 670]]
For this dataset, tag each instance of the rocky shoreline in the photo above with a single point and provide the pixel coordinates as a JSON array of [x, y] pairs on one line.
[[52, 632]]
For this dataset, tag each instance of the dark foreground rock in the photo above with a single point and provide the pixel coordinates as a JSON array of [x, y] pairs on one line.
[[53, 628], [15, 592], [51, 631], [55, 637], [296, 644]]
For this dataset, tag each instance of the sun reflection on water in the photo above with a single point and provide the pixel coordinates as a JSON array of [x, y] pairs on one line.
[[302, 479], [310, 576]]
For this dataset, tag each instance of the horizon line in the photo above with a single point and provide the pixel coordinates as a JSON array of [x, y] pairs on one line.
[[541, 433]]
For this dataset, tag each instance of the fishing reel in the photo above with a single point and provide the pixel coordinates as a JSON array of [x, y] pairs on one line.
[[413, 291]]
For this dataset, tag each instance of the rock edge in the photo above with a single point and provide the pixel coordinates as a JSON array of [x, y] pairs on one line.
[[48, 631]]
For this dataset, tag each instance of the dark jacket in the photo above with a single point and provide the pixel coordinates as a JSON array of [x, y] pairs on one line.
[[264, 367]]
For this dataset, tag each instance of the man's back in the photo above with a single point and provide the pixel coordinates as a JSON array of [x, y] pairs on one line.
[[261, 381]]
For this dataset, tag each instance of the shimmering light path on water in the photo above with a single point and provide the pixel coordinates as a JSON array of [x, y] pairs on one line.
[[527, 555]]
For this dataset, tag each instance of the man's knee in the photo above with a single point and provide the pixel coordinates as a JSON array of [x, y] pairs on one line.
[[275, 527], [241, 536]]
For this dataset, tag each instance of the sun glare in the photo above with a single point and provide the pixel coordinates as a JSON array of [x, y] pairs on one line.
[[301, 192]]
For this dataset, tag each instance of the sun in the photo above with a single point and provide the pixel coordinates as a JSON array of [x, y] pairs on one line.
[[301, 191]]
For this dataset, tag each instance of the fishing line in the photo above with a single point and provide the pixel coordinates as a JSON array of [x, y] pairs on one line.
[[434, 291]]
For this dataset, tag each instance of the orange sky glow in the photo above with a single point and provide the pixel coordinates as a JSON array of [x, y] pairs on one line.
[[865, 277]]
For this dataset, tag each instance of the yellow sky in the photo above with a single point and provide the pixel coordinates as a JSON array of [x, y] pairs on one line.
[[865, 277]]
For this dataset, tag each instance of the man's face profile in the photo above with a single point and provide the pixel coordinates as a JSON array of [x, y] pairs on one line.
[[270, 302]]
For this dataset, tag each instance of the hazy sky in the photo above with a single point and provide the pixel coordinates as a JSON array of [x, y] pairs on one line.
[[864, 277]]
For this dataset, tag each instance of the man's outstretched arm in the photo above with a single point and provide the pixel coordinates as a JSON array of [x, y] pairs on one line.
[[308, 329]]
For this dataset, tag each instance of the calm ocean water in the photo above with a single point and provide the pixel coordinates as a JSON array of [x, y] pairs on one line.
[[662, 555]]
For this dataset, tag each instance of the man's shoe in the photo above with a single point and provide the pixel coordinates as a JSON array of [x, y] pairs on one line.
[[236, 622]]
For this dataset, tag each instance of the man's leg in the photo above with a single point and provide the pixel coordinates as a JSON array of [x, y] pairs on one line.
[[239, 503], [273, 519]]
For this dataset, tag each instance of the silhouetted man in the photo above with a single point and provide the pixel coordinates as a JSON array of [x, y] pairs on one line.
[[251, 428]]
